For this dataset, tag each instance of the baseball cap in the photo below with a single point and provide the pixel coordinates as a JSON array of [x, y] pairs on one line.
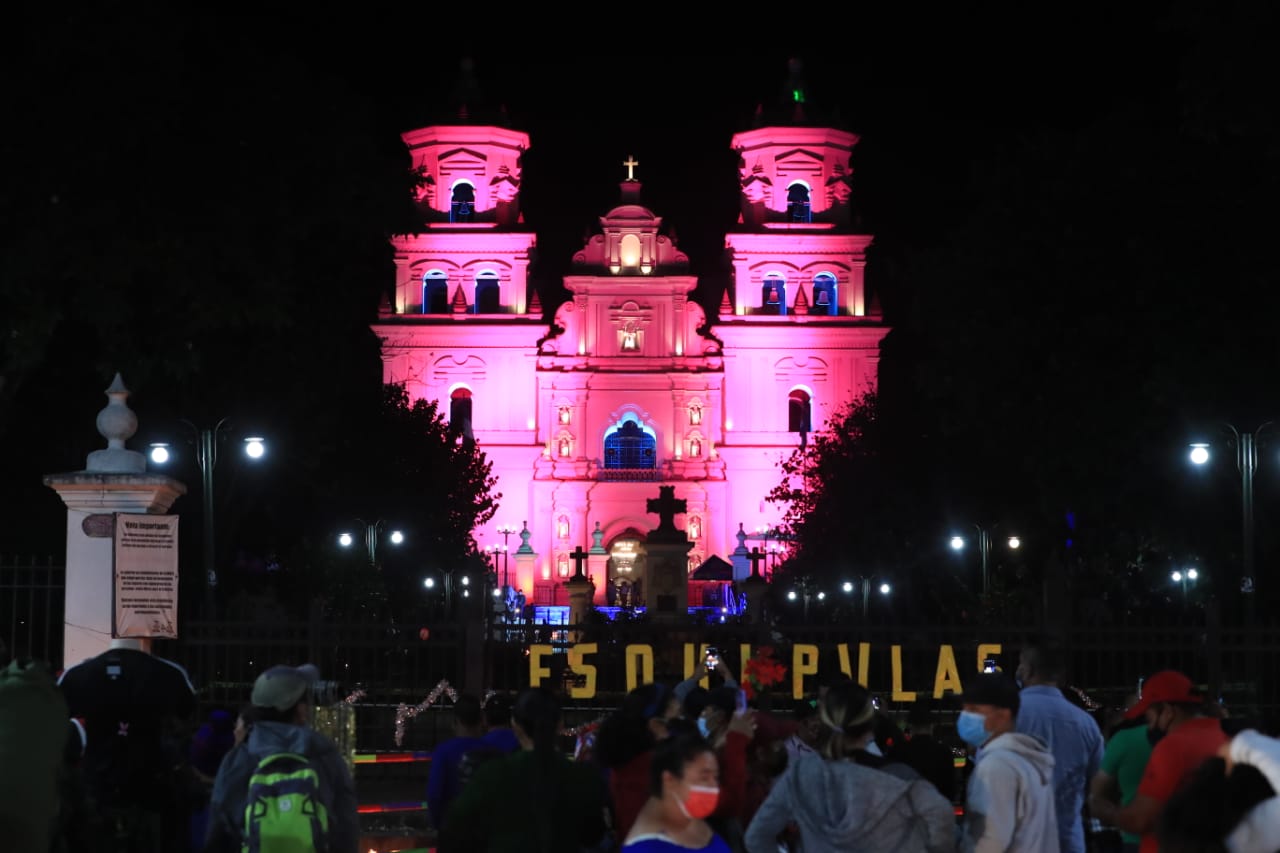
[[992, 688], [282, 687], [1168, 685]]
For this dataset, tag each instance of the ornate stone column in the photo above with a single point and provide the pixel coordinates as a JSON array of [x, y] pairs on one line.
[[114, 480]]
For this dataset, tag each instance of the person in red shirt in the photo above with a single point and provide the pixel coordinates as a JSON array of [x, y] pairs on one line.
[[1184, 738]]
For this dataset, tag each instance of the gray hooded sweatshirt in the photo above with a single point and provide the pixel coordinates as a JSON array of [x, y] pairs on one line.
[[1010, 803], [231, 787], [843, 807]]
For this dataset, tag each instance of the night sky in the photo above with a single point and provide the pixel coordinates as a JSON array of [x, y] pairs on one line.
[[1073, 216]]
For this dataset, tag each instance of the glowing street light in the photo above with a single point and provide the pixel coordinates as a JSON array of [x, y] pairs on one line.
[[371, 536], [1245, 444], [1184, 579], [863, 585], [206, 443], [958, 543]]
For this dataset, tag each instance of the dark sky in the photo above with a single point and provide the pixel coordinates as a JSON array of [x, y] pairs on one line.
[[939, 97]]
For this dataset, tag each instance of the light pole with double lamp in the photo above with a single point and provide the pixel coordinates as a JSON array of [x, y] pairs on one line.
[[372, 535], [863, 585], [958, 543], [206, 442]]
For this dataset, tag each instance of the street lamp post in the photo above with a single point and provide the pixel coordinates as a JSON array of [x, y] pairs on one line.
[[984, 551], [1245, 444], [1184, 578], [371, 538], [506, 530], [863, 584], [206, 445]]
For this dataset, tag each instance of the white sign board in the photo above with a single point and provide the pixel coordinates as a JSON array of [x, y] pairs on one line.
[[146, 576]]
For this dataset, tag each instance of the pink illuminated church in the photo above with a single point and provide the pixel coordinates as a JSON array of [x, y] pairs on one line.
[[631, 386]]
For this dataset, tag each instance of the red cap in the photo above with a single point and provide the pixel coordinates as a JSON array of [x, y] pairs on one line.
[[1166, 686]]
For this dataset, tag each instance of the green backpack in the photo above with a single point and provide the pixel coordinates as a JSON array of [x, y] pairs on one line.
[[284, 813]]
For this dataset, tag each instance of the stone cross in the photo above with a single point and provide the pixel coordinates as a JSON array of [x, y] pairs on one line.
[[631, 163], [755, 557], [665, 506], [579, 557]]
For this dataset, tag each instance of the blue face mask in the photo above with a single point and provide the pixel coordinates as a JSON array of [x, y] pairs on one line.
[[703, 728], [972, 728]]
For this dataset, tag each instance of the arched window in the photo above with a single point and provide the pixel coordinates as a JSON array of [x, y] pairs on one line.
[[460, 411], [799, 414], [629, 251], [565, 446], [773, 294], [435, 293], [824, 294], [562, 566], [562, 527], [462, 207], [695, 527], [695, 448], [695, 414], [798, 203], [629, 446], [488, 294], [565, 414]]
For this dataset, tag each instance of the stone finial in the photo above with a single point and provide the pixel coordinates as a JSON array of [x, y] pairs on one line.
[[117, 423], [726, 307], [597, 540], [459, 301], [525, 535], [535, 304]]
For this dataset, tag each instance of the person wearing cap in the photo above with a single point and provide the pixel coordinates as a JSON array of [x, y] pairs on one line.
[[1009, 806], [282, 711], [1183, 738]]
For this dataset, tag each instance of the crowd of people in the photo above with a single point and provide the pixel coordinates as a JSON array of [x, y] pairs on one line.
[[1026, 765], [88, 762]]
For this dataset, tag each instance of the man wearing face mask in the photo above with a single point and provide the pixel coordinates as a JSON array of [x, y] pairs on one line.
[[1183, 738], [1009, 807]]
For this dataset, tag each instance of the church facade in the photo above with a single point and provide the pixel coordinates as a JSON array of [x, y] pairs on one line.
[[631, 386]]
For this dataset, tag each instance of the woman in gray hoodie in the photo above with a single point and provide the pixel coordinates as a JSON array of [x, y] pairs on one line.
[[840, 806]]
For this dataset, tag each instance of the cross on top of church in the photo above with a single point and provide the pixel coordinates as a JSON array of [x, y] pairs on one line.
[[631, 163], [579, 557], [755, 557], [665, 506]]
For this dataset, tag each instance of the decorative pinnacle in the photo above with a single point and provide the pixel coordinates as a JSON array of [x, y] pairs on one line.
[[117, 422]]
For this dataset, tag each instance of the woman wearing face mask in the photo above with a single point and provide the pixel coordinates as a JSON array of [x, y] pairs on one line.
[[683, 792], [624, 748], [840, 805]]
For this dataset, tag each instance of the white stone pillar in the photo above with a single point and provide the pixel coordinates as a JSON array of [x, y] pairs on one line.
[[114, 480]]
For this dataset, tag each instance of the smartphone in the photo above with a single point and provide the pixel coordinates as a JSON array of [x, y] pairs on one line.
[[989, 665], [712, 658]]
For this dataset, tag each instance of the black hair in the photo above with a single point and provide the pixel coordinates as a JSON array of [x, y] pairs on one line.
[[848, 714], [625, 733], [537, 712], [804, 709], [1046, 659], [671, 755], [1208, 806], [497, 710], [694, 701], [467, 711], [723, 698]]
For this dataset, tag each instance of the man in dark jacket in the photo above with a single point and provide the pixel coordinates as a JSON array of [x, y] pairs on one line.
[[282, 711]]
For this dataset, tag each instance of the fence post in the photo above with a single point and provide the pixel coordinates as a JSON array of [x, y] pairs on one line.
[[1213, 647]]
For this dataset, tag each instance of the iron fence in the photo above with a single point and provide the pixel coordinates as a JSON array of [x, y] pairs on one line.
[[399, 666]]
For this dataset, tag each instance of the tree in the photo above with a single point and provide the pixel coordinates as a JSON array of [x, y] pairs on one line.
[[413, 470]]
